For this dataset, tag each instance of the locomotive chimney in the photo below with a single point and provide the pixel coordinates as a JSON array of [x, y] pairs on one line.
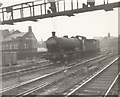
[[29, 29], [108, 34], [53, 34]]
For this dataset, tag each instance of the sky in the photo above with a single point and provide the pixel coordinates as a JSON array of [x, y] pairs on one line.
[[89, 24]]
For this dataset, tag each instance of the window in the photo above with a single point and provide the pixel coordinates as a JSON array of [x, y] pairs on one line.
[[25, 45], [10, 46], [16, 46], [6, 47], [3, 47]]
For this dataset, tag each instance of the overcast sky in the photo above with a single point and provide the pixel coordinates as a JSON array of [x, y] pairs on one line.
[[89, 24]]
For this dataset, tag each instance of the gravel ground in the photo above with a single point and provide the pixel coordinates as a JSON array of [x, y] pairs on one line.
[[59, 87], [12, 81], [26, 77]]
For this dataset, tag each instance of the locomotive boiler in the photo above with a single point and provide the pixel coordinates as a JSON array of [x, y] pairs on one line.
[[64, 48]]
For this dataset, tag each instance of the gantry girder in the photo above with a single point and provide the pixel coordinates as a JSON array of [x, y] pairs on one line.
[[47, 10]]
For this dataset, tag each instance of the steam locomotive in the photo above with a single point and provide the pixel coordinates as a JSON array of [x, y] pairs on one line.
[[64, 48]]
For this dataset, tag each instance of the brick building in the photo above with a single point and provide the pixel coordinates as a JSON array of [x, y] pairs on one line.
[[20, 43]]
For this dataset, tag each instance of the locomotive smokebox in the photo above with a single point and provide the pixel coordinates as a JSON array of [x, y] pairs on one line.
[[53, 34]]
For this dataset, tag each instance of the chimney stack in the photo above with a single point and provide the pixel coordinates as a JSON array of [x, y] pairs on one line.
[[53, 34], [29, 29], [108, 34]]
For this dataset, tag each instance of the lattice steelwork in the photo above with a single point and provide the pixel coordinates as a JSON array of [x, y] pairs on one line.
[[31, 11]]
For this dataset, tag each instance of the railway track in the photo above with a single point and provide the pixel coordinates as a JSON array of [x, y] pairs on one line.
[[26, 70], [57, 87], [99, 84], [19, 77], [22, 71], [29, 64], [41, 82], [22, 66]]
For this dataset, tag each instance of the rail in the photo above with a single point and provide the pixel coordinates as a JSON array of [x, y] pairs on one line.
[[73, 91], [47, 75], [106, 94]]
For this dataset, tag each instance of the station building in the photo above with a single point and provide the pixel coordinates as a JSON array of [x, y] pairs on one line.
[[17, 45]]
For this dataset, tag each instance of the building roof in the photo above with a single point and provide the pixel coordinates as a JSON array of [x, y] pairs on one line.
[[10, 35], [14, 36]]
